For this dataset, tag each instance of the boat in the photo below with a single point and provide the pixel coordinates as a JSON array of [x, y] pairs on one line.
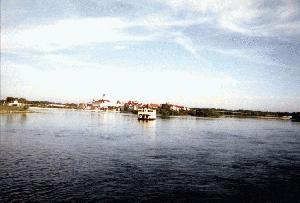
[[285, 117], [146, 114]]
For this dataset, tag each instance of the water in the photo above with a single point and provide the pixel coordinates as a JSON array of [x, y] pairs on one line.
[[60, 155]]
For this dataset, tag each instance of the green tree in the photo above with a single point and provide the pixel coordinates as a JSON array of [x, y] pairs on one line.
[[10, 99], [22, 100]]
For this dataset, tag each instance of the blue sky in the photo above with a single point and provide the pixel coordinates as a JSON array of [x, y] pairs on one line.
[[211, 53]]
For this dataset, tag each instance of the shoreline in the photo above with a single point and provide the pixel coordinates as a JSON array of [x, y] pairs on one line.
[[18, 111], [5, 109], [15, 112]]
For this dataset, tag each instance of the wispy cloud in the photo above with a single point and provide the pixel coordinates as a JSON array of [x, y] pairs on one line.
[[185, 43], [69, 33], [249, 17]]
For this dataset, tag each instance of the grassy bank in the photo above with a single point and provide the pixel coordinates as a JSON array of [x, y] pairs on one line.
[[13, 109]]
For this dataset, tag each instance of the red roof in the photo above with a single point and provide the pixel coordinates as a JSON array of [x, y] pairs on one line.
[[151, 105], [154, 105], [103, 100], [133, 103]]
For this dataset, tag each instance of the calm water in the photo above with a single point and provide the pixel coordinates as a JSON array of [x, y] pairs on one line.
[[73, 155]]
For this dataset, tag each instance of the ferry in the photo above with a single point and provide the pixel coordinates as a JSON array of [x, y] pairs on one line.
[[146, 114], [285, 117]]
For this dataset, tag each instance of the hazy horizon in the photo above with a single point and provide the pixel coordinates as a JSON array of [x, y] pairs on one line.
[[238, 54]]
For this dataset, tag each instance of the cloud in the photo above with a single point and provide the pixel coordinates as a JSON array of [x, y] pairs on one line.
[[249, 17], [254, 56], [185, 43], [69, 33]]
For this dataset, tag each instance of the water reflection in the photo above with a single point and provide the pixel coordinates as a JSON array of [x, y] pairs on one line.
[[147, 124], [149, 127], [11, 119], [23, 118]]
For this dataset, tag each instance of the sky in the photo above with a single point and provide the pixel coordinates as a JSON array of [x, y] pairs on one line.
[[235, 54]]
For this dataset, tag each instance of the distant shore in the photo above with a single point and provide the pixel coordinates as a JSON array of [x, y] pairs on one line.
[[220, 117], [5, 109], [166, 110]]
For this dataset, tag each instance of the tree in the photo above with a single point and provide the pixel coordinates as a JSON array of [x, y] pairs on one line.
[[10, 99], [22, 100]]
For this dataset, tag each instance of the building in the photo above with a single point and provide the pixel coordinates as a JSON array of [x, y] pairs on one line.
[[174, 107], [101, 103], [133, 105], [119, 105], [154, 106], [16, 103]]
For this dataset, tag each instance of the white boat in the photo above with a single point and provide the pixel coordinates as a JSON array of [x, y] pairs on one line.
[[286, 117], [146, 114]]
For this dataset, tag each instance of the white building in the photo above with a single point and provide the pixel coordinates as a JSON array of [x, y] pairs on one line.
[[16, 103], [146, 114], [104, 104], [179, 108]]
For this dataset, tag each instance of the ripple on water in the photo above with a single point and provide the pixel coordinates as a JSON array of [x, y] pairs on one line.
[[112, 157]]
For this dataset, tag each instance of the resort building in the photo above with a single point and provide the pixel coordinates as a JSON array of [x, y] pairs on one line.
[[16, 103], [178, 108], [174, 107], [133, 105]]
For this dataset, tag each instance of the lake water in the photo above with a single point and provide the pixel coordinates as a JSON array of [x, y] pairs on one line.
[[62, 155]]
